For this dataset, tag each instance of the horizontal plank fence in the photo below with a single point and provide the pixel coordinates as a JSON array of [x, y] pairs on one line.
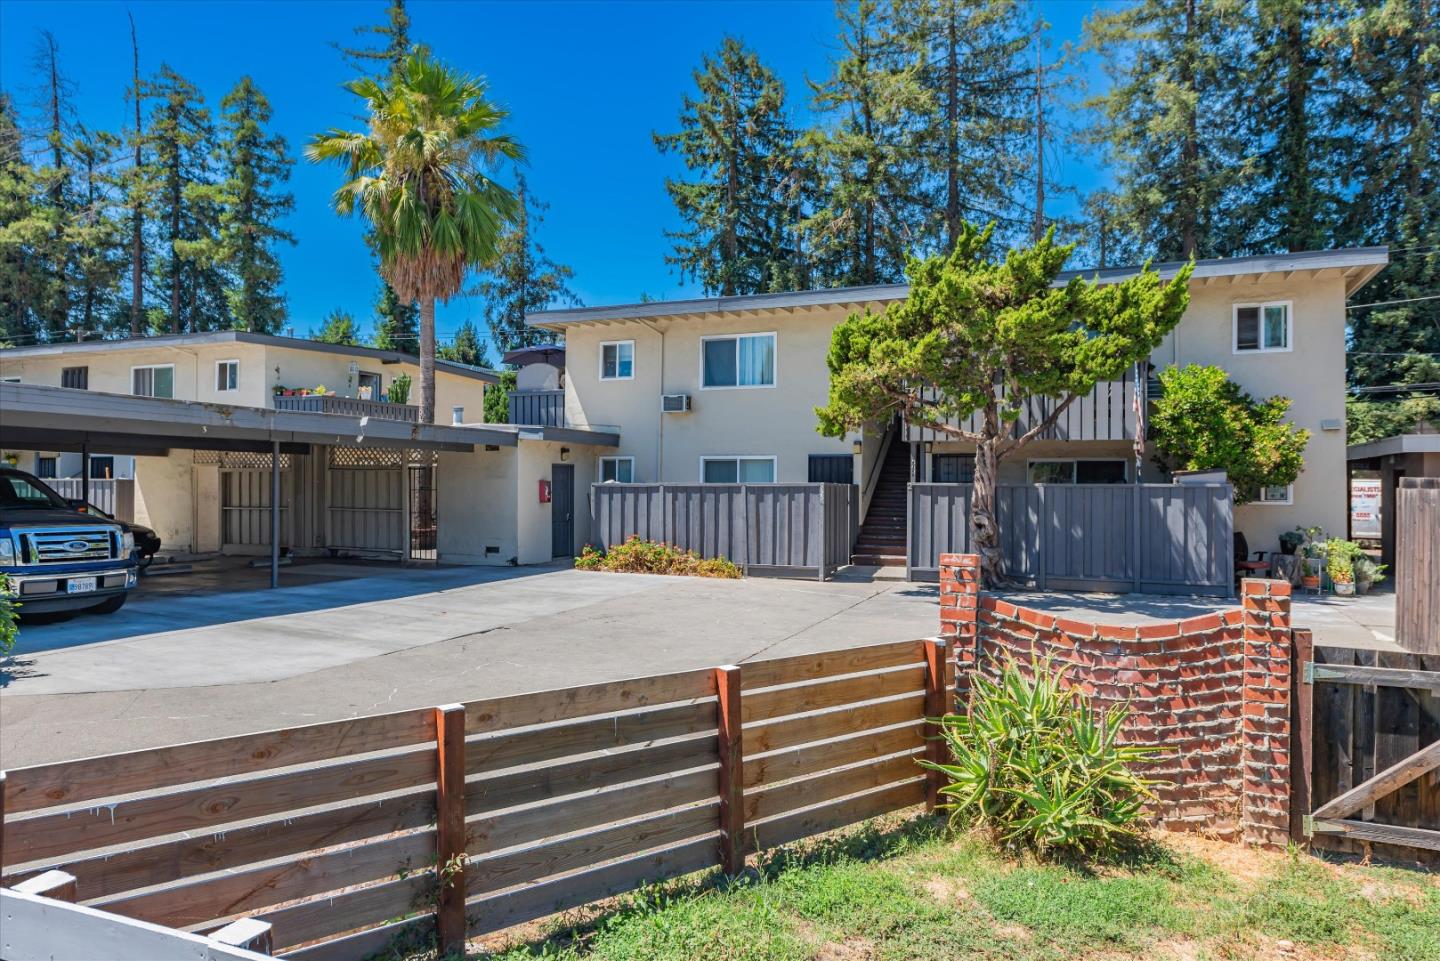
[[1147, 538], [396, 830], [1373, 720], [784, 529]]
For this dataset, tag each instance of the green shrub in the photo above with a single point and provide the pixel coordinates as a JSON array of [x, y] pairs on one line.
[[1040, 766], [399, 389], [9, 629], [637, 556]]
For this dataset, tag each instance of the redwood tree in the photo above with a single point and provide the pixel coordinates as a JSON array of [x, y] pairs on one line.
[[981, 336]]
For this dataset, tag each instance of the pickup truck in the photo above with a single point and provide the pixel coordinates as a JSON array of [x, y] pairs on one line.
[[58, 558]]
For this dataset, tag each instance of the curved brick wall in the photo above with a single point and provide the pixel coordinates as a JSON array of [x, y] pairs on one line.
[[1213, 690]]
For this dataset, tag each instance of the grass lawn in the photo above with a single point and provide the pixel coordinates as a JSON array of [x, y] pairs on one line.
[[900, 889]]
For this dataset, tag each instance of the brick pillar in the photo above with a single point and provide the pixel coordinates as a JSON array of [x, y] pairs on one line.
[[1265, 725], [959, 597]]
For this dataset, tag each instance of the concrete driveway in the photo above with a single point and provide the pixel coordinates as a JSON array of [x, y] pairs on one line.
[[181, 664]]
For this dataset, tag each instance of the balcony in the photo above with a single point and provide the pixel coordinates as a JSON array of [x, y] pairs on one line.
[[537, 408], [350, 406], [1106, 413]]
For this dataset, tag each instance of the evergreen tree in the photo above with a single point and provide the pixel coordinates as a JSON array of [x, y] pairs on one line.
[[393, 44], [183, 212], [136, 184], [466, 347], [22, 278], [1387, 62], [96, 235], [521, 279], [973, 142], [735, 139], [1167, 121], [254, 165], [873, 212], [397, 324], [339, 328], [55, 201]]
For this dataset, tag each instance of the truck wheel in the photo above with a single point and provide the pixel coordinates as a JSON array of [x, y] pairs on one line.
[[110, 606]]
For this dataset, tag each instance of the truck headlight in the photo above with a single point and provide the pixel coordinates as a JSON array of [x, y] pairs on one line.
[[7, 551], [127, 543]]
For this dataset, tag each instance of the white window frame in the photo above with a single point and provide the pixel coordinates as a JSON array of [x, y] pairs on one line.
[[1260, 306], [1288, 500], [9, 379], [218, 365], [617, 344], [774, 465], [1125, 464], [600, 469], [152, 379], [775, 349]]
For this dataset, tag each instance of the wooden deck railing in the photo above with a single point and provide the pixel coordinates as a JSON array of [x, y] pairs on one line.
[[332, 833]]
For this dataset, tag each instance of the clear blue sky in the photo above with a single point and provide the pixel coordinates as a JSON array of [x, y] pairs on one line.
[[586, 84]]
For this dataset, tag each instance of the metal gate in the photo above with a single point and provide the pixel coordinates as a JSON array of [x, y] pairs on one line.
[[422, 514], [245, 509]]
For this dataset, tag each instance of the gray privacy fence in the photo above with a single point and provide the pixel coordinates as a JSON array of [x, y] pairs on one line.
[[1151, 538], [785, 529], [115, 496]]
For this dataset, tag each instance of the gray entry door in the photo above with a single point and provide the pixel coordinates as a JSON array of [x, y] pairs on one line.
[[562, 510]]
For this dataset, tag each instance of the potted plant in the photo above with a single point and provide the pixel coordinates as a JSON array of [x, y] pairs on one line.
[[400, 389], [322, 390], [1368, 573], [1342, 574], [1309, 574], [1290, 541], [1312, 550], [280, 391]]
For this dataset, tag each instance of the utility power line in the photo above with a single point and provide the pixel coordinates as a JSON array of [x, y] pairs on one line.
[[1387, 303]]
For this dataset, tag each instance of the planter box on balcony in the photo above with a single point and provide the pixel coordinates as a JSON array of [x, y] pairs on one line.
[[350, 406]]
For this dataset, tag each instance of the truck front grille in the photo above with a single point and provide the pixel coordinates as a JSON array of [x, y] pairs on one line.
[[67, 546]]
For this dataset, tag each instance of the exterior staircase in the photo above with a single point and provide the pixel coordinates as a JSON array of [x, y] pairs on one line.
[[882, 537]]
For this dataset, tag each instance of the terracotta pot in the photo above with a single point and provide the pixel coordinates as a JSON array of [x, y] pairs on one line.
[[1311, 582]]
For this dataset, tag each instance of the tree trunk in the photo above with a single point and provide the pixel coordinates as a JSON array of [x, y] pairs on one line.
[[952, 130], [427, 360], [1189, 197], [137, 213], [984, 527]]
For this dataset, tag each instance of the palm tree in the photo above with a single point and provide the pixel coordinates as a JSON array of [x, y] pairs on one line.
[[419, 176]]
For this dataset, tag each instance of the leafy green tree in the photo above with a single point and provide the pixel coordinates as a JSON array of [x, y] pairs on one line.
[[497, 398], [1204, 421], [871, 212], [1167, 120], [1367, 420], [736, 143], [339, 328], [520, 278], [466, 347], [183, 210], [254, 165], [397, 323], [982, 337], [418, 175]]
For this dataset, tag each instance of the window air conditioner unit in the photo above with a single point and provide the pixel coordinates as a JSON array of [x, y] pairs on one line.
[[674, 403]]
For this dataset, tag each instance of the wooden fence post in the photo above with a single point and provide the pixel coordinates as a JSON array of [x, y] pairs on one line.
[[1302, 732], [450, 828], [937, 682], [732, 770]]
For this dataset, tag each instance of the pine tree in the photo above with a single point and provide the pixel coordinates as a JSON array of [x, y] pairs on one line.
[[96, 235], [393, 47], [135, 184], [735, 140], [873, 212], [466, 347], [973, 142], [183, 212], [55, 202], [1389, 73], [339, 328], [522, 279], [397, 324], [1167, 121], [22, 277], [254, 165]]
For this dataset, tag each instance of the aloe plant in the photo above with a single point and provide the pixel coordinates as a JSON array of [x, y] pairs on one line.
[[1039, 764]]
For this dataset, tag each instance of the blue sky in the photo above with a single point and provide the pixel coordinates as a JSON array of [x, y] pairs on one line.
[[586, 84]]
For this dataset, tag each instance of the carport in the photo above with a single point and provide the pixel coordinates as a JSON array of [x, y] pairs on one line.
[[34, 417]]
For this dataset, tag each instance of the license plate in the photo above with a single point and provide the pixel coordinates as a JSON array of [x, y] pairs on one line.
[[80, 585]]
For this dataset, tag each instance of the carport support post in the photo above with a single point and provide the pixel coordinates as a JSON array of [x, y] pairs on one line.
[[274, 513]]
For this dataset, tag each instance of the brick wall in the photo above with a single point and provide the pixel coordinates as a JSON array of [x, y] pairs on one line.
[[1213, 690]]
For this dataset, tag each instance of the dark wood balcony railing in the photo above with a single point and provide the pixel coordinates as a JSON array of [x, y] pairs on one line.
[[351, 406], [537, 408], [1106, 413]]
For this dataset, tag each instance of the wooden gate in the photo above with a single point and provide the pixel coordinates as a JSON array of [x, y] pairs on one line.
[[245, 509], [1371, 724]]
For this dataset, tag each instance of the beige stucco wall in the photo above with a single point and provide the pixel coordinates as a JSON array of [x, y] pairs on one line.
[[774, 421], [164, 498]]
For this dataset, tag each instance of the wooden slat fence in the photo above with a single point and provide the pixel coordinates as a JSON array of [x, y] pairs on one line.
[[346, 837], [785, 529], [1106, 413], [1149, 538], [1371, 712], [1417, 565], [115, 496]]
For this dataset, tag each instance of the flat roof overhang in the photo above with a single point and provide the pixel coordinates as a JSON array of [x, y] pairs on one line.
[[1399, 444], [35, 417]]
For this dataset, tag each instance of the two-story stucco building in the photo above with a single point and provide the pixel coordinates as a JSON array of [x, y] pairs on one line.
[[725, 389]]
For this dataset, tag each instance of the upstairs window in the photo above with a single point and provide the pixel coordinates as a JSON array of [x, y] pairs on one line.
[[227, 375], [76, 378], [617, 360], [746, 360], [1261, 328], [157, 381], [619, 470]]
